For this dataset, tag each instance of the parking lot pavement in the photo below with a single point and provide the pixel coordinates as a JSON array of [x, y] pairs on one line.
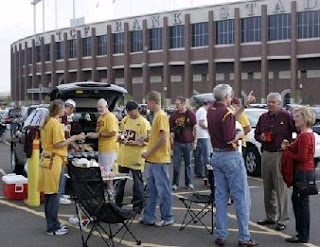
[[24, 226]]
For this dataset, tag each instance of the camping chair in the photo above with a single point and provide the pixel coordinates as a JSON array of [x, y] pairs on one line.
[[88, 189], [205, 205]]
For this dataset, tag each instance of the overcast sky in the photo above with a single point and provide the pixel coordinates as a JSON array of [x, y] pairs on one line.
[[16, 19]]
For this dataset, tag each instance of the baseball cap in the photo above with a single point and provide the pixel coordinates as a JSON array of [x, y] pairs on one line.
[[132, 105], [70, 102]]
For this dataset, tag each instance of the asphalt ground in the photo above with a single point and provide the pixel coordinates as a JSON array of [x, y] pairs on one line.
[[24, 226]]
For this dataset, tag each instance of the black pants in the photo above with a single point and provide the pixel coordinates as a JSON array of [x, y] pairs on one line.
[[137, 200], [301, 206]]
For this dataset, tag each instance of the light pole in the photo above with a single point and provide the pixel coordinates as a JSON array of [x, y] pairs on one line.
[[74, 9], [43, 16], [34, 3]]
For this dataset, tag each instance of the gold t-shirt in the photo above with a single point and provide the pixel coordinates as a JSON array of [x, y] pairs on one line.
[[163, 153], [132, 130], [108, 123]]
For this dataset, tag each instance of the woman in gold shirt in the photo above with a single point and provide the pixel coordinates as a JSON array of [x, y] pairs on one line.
[[53, 157]]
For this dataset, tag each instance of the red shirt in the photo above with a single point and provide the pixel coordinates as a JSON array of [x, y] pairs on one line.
[[302, 150], [221, 126], [181, 124]]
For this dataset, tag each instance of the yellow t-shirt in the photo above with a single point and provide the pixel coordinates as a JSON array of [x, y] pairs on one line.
[[108, 123], [133, 129], [53, 133], [162, 154], [51, 164], [243, 120]]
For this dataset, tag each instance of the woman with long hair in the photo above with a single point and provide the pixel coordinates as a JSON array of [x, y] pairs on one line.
[[302, 152], [53, 157]]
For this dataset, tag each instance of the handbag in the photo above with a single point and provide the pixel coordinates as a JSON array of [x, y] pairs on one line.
[[307, 189]]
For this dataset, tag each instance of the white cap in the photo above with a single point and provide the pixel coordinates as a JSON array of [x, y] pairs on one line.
[[70, 102]]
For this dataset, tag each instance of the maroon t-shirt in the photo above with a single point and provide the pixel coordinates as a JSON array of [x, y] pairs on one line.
[[64, 120], [181, 124], [278, 126], [221, 126]]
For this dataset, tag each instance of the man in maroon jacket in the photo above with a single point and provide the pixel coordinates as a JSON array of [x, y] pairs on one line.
[[273, 127], [183, 133]]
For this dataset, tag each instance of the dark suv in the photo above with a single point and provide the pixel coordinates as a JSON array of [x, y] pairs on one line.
[[86, 95]]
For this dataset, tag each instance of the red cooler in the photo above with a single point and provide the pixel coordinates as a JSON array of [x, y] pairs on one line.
[[15, 187]]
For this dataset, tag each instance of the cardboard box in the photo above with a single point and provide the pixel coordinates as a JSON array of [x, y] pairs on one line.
[[15, 187]]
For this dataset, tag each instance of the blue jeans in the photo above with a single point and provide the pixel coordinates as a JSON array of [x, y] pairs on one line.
[[51, 207], [158, 190], [137, 189], [203, 157], [63, 182], [231, 178], [182, 149]]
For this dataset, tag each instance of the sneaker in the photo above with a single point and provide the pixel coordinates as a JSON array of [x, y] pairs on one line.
[[175, 187], [60, 231], [63, 226], [66, 196], [190, 186], [164, 223], [141, 221], [65, 201]]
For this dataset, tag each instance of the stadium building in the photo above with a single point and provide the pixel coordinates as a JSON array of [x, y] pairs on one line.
[[262, 45]]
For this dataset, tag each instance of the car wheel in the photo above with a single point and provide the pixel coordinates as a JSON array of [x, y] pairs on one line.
[[253, 161]]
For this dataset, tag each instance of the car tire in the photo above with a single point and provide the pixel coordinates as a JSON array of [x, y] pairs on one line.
[[253, 161]]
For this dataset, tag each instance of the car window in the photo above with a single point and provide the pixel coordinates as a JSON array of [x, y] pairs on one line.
[[253, 117], [15, 113], [37, 117]]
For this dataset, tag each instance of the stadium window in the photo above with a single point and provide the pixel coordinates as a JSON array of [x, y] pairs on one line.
[[177, 36], [200, 34], [48, 53], [155, 39], [73, 48], [86, 47], [251, 29], [136, 41], [279, 27], [309, 24], [38, 53], [118, 41], [60, 50], [225, 32], [102, 45]]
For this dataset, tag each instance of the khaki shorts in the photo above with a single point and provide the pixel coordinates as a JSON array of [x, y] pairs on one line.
[[106, 161]]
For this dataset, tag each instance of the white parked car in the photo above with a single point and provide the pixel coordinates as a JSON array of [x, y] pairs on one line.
[[253, 157]]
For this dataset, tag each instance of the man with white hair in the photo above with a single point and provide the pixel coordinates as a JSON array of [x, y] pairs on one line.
[[273, 127], [107, 132], [228, 166]]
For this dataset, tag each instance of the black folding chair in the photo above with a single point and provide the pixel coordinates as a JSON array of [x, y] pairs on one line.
[[88, 189], [199, 205]]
